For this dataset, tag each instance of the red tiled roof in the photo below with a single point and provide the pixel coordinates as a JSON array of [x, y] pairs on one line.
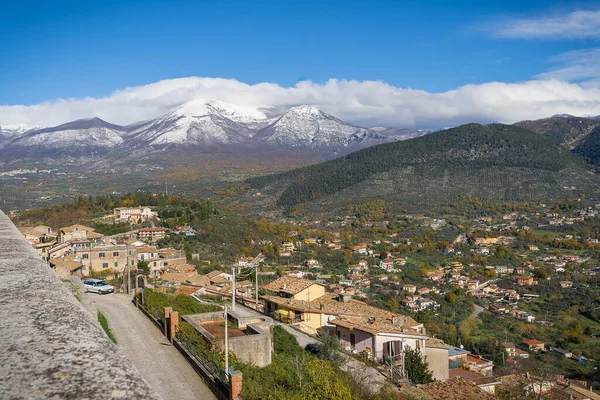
[[290, 285], [532, 342], [471, 376], [452, 389]]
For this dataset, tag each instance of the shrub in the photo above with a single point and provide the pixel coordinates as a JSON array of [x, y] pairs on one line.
[[155, 302]]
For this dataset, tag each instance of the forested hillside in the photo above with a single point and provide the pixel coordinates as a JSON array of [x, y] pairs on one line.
[[85, 209], [569, 131], [589, 148], [495, 161]]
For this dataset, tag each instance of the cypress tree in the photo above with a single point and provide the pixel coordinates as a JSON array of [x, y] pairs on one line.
[[417, 368]]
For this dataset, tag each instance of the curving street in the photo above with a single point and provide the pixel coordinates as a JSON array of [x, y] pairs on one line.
[[158, 361]]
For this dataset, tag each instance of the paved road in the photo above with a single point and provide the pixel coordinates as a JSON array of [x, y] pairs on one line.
[[158, 361]]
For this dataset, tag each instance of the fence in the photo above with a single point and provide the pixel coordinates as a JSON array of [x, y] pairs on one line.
[[203, 354]]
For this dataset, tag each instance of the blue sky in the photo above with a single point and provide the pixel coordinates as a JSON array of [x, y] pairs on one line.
[[76, 49]]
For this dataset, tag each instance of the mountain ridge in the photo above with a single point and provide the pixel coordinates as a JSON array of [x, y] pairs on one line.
[[496, 161], [200, 123]]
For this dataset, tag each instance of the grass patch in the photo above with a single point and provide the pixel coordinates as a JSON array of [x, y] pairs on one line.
[[155, 303], [104, 324]]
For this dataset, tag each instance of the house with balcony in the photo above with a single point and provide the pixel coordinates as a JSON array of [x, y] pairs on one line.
[[151, 234], [381, 334]]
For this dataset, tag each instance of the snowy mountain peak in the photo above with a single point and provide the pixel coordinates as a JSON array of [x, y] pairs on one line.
[[303, 111], [201, 107], [201, 122], [15, 128], [193, 108], [204, 122], [82, 134], [235, 112], [307, 126]]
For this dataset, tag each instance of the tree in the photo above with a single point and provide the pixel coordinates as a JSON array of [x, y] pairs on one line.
[[330, 348], [347, 256], [417, 368], [143, 266], [451, 298], [393, 304], [324, 382]]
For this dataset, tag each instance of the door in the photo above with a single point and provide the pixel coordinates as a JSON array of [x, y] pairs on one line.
[[352, 340]]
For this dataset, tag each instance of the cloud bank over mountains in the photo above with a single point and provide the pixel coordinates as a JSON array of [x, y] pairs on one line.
[[366, 103]]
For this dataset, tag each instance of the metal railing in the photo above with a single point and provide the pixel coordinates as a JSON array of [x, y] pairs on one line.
[[204, 355]]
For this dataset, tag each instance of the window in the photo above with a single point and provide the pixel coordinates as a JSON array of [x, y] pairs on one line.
[[392, 349], [132, 263], [85, 256], [116, 264], [115, 254], [104, 265], [101, 255]]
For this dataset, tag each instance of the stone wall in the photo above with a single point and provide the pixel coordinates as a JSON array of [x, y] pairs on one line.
[[253, 348], [51, 346]]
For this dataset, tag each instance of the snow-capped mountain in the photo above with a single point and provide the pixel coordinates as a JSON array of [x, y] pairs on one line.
[[201, 123], [11, 131], [306, 126], [81, 135]]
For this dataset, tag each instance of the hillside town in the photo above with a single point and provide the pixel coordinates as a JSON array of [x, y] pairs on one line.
[[380, 305]]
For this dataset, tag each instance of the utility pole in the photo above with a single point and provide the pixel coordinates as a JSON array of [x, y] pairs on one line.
[[256, 278], [233, 289], [391, 361], [128, 272], [226, 346]]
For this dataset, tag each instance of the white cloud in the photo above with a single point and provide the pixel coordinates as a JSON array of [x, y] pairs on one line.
[[580, 65], [367, 103], [581, 24]]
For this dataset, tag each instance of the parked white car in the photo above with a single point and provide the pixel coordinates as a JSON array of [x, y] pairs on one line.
[[98, 286]]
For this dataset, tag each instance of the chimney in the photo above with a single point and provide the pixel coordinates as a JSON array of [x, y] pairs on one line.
[[284, 286], [344, 298]]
